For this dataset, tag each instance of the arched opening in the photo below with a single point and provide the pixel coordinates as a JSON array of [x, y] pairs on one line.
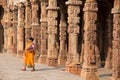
[[104, 28], [1, 29]]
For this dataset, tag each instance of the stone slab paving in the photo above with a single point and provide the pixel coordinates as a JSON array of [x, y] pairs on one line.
[[10, 69]]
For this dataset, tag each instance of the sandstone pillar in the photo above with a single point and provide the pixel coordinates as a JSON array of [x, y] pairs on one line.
[[20, 28], [5, 38], [27, 20], [52, 58], [62, 37], [4, 22], [43, 33], [108, 61], [15, 23], [89, 68], [10, 37], [10, 30], [116, 40], [35, 21], [73, 63]]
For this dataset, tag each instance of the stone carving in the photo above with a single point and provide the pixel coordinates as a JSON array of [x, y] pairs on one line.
[[90, 41], [27, 20], [73, 64], [20, 28], [43, 33], [35, 21], [52, 58]]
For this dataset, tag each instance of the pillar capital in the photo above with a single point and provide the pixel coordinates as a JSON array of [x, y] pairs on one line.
[[43, 0], [52, 5], [116, 10], [91, 6], [27, 3], [74, 2], [20, 5], [53, 8], [34, 2]]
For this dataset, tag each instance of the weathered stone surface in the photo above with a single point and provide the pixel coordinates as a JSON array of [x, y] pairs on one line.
[[35, 21], [20, 28], [43, 33], [52, 57], [28, 16]]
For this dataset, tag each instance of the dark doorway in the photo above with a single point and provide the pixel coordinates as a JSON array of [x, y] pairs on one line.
[[104, 14], [1, 29]]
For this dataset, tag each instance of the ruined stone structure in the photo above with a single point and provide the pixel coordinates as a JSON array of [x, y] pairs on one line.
[[80, 35]]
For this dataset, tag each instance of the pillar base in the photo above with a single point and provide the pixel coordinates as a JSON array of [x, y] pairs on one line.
[[20, 54], [112, 78], [42, 59], [62, 59], [74, 68], [108, 64], [52, 62], [89, 73]]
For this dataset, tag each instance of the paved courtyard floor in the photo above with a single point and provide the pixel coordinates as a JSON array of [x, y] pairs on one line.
[[10, 69]]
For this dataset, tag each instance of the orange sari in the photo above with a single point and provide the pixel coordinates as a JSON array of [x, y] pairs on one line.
[[29, 55]]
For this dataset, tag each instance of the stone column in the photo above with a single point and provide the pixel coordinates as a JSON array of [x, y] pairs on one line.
[[43, 33], [5, 38], [35, 21], [20, 28], [52, 58], [15, 23], [10, 30], [116, 40], [108, 61], [73, 63], [62, 37], [4, 22], [89, 68], [28, 20]]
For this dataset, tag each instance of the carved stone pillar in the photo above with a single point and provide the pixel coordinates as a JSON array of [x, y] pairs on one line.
[[9, 30], [108, 61], [89, 68], [43, 33], [4, 22], [15, 23], [52, 58], [27, 20], [73, 63], [5, 39], [116, 40], [63, 48], [20, 28], [35, 21]]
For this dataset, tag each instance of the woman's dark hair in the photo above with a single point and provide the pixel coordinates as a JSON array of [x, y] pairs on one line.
[[30, 38]]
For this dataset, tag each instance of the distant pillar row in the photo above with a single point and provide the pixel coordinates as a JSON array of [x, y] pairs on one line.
[[73, 63], [52, 57], [43, 32], [89, 68], [20, 28], [116, 40]]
